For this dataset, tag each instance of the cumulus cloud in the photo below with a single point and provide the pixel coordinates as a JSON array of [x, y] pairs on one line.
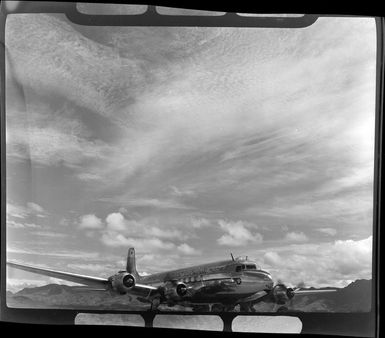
[[272, 258], [237, 234], [198, 223], [115, 221], [140, 228], [90, 221], [187, 249], [327, 264], [143, 234], [296, 237]]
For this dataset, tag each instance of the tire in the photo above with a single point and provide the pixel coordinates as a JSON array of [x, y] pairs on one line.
[[217, 308], [282, 309]]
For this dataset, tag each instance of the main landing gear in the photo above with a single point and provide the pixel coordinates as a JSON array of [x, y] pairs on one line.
[[280, 309], [155, 304], [213, 308], [222, 308], [246, 307]]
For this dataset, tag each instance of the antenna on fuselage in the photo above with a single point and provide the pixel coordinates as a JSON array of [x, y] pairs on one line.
[[232, 257]]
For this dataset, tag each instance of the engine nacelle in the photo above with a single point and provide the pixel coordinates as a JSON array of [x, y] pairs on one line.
[[122, 282], [290, 293], [174, 291], [181, 289], [282, 294]]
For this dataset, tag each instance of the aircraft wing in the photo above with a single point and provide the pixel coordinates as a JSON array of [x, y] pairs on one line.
[[95, 282], [312, 292], [144, 291]]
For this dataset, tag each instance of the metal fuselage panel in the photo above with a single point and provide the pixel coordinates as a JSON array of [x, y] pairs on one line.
[[215, 281]]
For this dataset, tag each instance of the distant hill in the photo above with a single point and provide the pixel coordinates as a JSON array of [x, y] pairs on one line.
[[73, 297], [356, 297]]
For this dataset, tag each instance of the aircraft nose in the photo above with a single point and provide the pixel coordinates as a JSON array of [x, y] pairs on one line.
[[261, 277]]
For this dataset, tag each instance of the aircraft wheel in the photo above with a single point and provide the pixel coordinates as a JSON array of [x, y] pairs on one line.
[[229, 308], [217, 308], [201, 308], [245, 307], [282, 309]]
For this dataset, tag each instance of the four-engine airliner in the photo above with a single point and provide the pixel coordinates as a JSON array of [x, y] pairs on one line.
[[218, 286]]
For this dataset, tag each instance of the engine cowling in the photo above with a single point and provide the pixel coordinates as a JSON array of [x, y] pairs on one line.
[[122, 282], [290, 293], [181, 289], [282, 294], [174, 291]]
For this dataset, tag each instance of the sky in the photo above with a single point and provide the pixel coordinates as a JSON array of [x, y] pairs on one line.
[[190, 144]]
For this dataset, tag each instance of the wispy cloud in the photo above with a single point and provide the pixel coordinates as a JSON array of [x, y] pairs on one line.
[[147, 202], [156, 203], [267, 127], [181, 192], [296, 237], [20, 225], [53, 253], [187, 249], [21, 212], [51, 138], [328, 231]]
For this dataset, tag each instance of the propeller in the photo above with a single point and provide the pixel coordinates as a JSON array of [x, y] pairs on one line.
[[284, 295]]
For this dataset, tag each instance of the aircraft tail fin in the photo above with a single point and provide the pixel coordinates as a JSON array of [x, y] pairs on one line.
[[131, 264]]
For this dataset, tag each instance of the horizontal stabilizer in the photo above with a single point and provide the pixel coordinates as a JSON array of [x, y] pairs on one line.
[[95, 282]]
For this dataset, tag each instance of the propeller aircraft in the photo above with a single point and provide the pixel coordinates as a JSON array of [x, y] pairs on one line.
[[218, 286]]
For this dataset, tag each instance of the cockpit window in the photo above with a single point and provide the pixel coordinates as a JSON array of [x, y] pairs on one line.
[[251, 267], [238, 268]]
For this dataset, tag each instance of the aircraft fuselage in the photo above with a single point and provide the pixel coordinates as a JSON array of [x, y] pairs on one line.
[[224, 281]]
